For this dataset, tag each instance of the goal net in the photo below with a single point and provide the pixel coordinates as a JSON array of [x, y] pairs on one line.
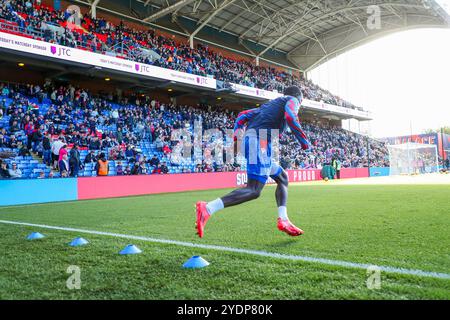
[[413, 158]]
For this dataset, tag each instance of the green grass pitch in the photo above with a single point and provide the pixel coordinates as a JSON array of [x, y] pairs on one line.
[[391, 225]]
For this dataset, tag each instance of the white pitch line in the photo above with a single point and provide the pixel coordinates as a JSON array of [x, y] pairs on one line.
[[339, 263]]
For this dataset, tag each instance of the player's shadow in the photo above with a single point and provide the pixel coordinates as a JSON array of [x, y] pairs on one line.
[[284, 243]]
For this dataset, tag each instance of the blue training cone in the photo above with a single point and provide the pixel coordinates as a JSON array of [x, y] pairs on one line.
[[196, 262], [130, 249], [35, 236], [78, 242]]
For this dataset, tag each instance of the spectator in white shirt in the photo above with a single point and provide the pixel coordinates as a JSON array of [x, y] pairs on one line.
[[15, 172], [56, 146]]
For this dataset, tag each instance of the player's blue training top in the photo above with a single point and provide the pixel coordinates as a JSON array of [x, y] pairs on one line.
[[275, 114]]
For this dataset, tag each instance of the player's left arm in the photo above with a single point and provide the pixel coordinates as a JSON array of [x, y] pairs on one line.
[[242, 119], [291, 114]]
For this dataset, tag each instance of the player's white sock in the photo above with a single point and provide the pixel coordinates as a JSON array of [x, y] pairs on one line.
[[282, 213], [214, 206]]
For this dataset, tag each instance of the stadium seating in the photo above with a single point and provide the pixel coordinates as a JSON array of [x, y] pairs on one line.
[[145, 131], [102, 36]]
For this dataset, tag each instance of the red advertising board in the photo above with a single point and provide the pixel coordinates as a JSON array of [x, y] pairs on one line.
[[121, 186]]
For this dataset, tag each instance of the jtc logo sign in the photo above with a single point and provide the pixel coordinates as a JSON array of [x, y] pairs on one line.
[[260, 93], [141, 67], [61, 51], [201, 80]]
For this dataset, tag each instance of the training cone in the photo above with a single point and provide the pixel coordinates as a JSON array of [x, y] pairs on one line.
[[130, 249], [77, 242], [196, 262], [35, 235]]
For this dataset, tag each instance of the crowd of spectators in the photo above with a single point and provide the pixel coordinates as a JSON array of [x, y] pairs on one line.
[[147, 46], [332, 142], [57, 123]]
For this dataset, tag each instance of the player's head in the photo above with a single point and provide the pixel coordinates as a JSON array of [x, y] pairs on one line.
[[294, 91]]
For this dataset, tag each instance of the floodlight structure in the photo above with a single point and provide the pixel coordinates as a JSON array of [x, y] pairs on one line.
[[413, 158]]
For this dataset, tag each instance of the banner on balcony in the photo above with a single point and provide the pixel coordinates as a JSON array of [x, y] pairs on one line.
[[56, 51]]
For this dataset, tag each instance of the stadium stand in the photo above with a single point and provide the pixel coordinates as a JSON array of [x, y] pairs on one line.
[[135, 135], [30, 19]]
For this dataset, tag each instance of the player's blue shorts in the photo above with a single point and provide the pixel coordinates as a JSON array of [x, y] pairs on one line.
[[258, 153]]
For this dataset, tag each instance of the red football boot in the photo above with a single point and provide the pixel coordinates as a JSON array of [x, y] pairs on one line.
[[202, 217], [289, 228]]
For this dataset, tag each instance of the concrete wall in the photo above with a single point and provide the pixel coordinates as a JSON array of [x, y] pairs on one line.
[[379, 171], [14, 192]]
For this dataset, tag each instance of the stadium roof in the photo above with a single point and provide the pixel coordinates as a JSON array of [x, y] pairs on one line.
[[299, 34]]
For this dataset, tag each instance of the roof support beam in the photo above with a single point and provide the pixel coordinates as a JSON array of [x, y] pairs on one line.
[[343, 10], [94, 8], [281, 14], [299, 25], [286, 32], [238, 16], [207, 19], [161, 13]]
